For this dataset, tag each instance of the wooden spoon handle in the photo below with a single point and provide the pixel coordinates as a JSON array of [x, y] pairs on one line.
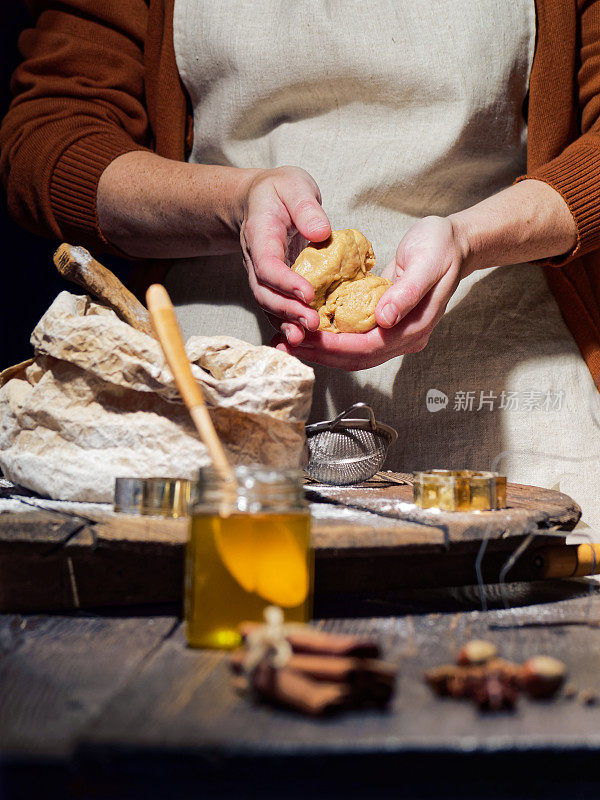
[[78, 266], [169, 335]]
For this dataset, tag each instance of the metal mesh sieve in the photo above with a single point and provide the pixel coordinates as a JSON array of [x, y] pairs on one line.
[[347, 450]]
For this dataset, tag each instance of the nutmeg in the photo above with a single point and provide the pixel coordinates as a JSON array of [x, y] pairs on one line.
[[477, 651], [542, 676]]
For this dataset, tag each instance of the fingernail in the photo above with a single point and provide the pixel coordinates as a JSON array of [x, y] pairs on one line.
[[390, 314], [300, 296], [285, 329], [304, 322]]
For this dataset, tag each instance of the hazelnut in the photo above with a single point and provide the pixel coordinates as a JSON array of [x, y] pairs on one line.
[[541, 676], [477, 651], [464, 681]]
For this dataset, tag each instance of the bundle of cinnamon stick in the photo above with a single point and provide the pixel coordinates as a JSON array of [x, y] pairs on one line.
[[322, 673]]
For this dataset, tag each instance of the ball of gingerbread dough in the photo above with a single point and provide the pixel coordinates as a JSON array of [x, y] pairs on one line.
[[346, 295], [351, 307], [345, 256]]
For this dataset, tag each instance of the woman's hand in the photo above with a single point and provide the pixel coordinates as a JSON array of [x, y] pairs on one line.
[[429, 263], [278, 207], [525, 222], [152, 207]]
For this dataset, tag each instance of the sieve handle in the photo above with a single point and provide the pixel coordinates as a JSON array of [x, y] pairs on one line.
[[373, 425], [356, 407]]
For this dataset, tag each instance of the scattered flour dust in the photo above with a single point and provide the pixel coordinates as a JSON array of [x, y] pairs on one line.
[[17, 500]]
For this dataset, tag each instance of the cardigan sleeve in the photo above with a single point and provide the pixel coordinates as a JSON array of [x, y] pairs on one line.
[[575, 172], [78, 104]]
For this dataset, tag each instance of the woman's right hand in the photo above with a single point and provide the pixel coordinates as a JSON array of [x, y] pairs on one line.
[[153, 207], [277, 205]]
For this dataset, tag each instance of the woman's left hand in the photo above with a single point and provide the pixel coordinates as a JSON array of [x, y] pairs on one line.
[[524, 222], [428, 266]]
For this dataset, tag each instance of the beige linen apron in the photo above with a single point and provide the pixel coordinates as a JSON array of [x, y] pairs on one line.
[[398, 109]]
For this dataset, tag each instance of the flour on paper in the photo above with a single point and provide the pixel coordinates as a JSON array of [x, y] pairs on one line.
[[98, 401]]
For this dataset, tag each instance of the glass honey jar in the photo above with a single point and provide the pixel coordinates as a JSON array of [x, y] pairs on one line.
[[248, 548]]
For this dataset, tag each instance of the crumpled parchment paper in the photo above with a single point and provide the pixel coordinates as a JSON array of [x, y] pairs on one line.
[[98, 401]]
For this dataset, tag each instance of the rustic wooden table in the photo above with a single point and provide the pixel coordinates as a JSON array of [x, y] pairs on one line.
[[114, 705], [110, 703]]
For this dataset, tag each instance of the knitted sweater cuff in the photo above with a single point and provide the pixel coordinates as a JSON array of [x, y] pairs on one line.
[[74, 185], [575, 175]]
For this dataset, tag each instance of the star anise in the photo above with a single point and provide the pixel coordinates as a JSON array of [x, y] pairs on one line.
[[493, 692]]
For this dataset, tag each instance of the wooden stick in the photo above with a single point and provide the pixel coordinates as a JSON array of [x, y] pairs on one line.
[[568, 560], [10, 372], [169, 335], [77, 265]]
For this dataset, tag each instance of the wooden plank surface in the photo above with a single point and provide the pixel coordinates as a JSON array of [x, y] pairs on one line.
[[57, 673], [394, 521], [76, 567], [103, 685], [185, 698], [126, 709], [528, 508]]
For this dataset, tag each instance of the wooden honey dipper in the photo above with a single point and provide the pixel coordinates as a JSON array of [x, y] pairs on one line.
[[169, 335]]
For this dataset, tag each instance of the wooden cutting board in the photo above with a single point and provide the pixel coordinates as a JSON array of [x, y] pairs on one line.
[[529, 509], [366, 538]]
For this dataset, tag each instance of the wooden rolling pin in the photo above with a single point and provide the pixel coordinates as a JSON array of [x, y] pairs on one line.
[[78, 266], [567, 561]]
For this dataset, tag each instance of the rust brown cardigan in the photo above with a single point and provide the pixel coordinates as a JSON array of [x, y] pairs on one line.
[[100, 79]]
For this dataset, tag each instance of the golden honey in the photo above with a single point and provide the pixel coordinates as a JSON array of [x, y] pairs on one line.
[[243, 555]]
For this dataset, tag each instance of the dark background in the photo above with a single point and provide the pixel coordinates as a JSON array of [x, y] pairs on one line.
[[28, 281]]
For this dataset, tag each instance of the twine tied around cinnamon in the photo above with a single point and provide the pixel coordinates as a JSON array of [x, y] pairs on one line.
[[268, 641]]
